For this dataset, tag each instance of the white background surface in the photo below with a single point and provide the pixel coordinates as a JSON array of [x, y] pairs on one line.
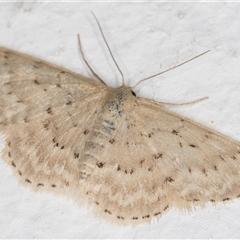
[[145, 38]]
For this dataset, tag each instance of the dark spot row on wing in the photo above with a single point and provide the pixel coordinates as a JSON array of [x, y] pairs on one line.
[[150, 169], [29, 181], [37, 65], [46, 125], [41, 184], [204, 172], [192, 145], [134, 217], [147, 167], [175, 132], [107, 211], [128, 172], [100, 164], [86, 132], [56, 144], [169, 179], [36, 82], [157, 155], [6, 54], [49, 111], [26, 119], [211, 200], [226, 199]]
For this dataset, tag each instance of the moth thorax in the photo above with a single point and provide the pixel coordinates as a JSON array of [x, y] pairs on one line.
[[118, 97]]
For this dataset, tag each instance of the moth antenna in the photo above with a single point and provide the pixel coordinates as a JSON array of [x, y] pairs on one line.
[[86, 62], [169, 69], [180, 104], [99, 26]]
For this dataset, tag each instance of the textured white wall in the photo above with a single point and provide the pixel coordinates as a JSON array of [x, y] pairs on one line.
[[145, 38]]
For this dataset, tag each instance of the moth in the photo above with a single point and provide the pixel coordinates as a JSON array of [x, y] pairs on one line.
[[130, 158]]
